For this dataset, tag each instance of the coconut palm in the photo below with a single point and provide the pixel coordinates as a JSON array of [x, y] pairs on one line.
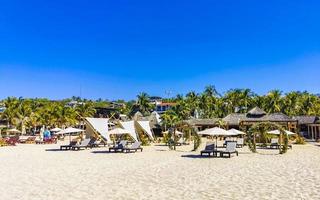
[[170, 120], [274, 101], [143, 103]]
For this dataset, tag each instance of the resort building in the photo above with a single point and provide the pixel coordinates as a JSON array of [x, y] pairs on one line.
[[162, 107], [309, 126], [202, 124], [256, 115]]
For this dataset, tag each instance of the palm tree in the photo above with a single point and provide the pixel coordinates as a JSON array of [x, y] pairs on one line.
[[192, 102], [85, 110], [143, 103], [10, 113], [170, 120], [274, 101]]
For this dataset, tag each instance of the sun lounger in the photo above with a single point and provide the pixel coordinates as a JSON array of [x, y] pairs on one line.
[[134, 147], [240, 142], [23, 139], [69, 146], [274, 143], [230, 149], [31, 140], [86, 143], [210, 148], [119, 147], [181, 142], [12, 141]]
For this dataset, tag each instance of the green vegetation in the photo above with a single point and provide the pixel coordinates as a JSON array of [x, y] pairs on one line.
[[211, 104], [30, 113]]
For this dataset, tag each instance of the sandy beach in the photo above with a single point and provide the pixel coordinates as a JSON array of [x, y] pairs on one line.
[[40, 172]]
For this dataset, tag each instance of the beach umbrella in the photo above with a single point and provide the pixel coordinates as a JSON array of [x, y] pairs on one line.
[[277, 132], [23, 131], [216, 131], [13, 131], [69, 131], [55, 130], [118, 131], [236, 132], [41, 133]]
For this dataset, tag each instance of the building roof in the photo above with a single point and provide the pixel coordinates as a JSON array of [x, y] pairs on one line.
[[302, 120], [234, 118], [257, 111], [202, 122], [166, 104]]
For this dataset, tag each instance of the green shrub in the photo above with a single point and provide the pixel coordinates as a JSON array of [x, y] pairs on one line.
[[300, 140]]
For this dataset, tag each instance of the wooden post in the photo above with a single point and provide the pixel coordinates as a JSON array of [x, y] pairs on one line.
[[312, 132]]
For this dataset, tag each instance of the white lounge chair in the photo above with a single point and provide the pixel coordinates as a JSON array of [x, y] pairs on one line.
[[134, 147], [230, 149], [274, 143], [119, 147], [240, 142], [86, 143]]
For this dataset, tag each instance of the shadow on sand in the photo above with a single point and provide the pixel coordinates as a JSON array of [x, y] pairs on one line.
[[55, 150], [195, 156], [104, 152]]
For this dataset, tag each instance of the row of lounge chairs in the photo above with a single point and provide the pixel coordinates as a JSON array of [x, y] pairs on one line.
[[231, 148], [122, 147], [275, 144], [239, 141], [85, 144], [12, 141], [91, 143]]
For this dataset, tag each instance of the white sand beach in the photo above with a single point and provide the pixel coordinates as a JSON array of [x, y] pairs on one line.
[[39, 172]]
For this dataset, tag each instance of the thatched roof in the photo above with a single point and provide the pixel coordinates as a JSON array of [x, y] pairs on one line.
[[234, 119], [273, 117], [278, 117], [256, 111], [202, 122], [303, 120]]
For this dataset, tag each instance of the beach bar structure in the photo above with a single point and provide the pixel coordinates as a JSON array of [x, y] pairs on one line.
[[314, 131], [202, 124], [244, 121], [309, 126]]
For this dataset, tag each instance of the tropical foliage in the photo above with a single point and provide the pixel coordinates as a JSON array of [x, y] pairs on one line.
[[30, 113], [211, 104]]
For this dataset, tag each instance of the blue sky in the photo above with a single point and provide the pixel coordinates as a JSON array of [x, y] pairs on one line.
[[116, 49]]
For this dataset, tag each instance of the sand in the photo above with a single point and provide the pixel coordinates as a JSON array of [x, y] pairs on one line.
[[38, 172]]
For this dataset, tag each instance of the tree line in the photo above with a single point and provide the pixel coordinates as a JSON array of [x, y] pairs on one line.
[[210, 103]]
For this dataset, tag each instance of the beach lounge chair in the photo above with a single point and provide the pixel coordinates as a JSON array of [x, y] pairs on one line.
[[181, 142], [31, 140], [12, 141], [69, 146], [230, 149], [210, 148], [240, 142], [86, 143], [134, 147], [23, 139], [119, 147], [274, 143]]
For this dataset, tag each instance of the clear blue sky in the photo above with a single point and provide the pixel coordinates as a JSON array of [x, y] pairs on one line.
[[116, 49]]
